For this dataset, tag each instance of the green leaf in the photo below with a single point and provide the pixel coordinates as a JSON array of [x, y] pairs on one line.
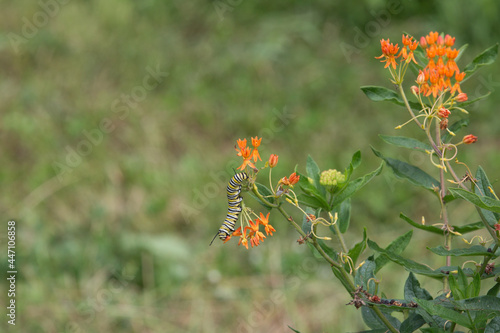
[[310, 201], [408, 264], [356, 159], [313, 172], [397, 246], [293, 329], [412, 323], [405, 142], [475, 286], [494, 290], [475, 250], [480, 201], [379, 94], [468, 227], [328, 250], [493, 326], [412, 173], [413, 290], [455, 288], [472, 101], [357, 249], [455, 128], [344, 216], [487, 57], [312, 192], [365, 274], [484, 187], [353, 186], [488, 304], [428, 228], [436, 309], [374, 322]]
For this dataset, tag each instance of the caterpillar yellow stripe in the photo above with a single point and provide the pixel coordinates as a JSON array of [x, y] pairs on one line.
[[234, 206]]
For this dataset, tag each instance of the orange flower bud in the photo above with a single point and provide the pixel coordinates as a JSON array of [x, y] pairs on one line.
[[415, 90], [468, 139], [423, 42], [273, 160], [443, 112], [462, 97], [294, 178], [421, 78]]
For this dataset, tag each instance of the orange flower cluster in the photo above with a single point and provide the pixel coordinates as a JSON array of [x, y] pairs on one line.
[[390, 51], [441, 68], [247, 153], [252, 233]]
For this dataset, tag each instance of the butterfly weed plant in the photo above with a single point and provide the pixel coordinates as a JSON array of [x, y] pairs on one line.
[[437, 105]]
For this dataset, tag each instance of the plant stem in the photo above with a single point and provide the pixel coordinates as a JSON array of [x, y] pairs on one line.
[[384, 320], [340, 238]]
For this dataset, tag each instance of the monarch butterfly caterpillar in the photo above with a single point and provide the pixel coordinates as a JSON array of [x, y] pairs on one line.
[[234, 206]]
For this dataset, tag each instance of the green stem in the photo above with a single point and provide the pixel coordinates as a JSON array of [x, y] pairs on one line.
[[384, 319], [340, 238]]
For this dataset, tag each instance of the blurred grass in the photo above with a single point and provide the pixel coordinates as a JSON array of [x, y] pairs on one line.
[[119, 242]]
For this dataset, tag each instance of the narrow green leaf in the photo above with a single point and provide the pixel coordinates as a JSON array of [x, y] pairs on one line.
[[487, 57], [455, 288], [475, 250], [462, 281], [402, 141], [428, 228], [357, 249], [468, 227], [441, 311], [397, 246], [480, 201], [475, 285], [293, 329], [408, 264], [407, 171], [455, 128], [472, 101], [484, 188], [344, 216], [353, 186]]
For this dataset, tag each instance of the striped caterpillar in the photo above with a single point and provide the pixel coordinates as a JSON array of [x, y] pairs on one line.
[[234, 206]]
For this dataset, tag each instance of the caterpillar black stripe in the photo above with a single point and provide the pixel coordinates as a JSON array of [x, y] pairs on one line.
[[234, 206]]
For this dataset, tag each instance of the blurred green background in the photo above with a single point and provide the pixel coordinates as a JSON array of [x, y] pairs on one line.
[[118, 125]]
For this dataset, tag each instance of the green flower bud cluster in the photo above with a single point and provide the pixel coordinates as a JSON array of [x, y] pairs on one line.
[[331, 178]]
